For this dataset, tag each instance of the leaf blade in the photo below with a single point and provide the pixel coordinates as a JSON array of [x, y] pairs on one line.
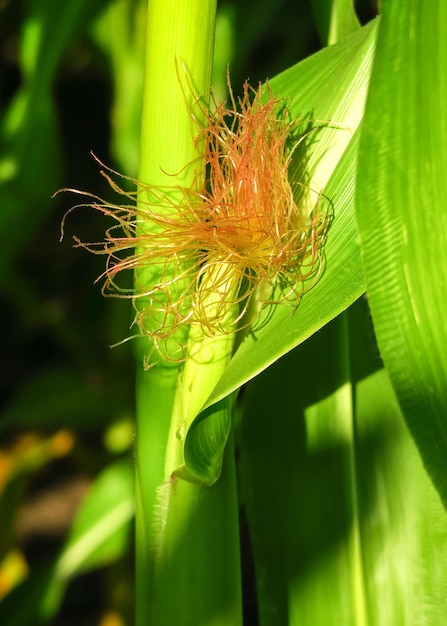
[[402, 218], [315, 80]]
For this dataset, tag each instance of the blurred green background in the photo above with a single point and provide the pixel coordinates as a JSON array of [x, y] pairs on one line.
[[70, 83]]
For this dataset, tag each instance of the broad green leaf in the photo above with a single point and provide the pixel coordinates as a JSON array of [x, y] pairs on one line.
[[100, 535], [205, 443], [402, 217], [346, 527], [255, 356], [335, 19], [332, 86], [331, 166], [101, 526]]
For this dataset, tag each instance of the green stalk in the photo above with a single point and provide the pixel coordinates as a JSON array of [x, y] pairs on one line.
[[187, 546]]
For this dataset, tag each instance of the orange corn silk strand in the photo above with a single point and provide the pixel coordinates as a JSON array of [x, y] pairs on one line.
[[244, 220]]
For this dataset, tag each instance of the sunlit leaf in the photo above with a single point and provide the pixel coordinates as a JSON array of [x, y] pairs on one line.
[[345, 525], [100, 535], [335, 19], [402, 217], [101, 528], [331, 86]]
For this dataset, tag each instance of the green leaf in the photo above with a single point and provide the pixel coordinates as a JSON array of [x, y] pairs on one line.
[[205, 444], [402, 217], [125, 53], [335, 19], [100, 535], [331, 85], [345, 525], [101, 528], [331, 165]]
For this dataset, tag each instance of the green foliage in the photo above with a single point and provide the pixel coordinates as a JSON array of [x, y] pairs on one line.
[[402, 219], [331, 85], [99, 535], [340, 441], [345, 523]]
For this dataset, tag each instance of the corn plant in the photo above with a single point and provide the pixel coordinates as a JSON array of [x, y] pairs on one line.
[[290, 443]]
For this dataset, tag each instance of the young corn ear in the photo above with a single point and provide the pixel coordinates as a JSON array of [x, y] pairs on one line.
[[243, 236]]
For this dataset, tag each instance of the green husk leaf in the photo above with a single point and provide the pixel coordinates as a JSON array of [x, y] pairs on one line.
[[331, 86], [342, 282]]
